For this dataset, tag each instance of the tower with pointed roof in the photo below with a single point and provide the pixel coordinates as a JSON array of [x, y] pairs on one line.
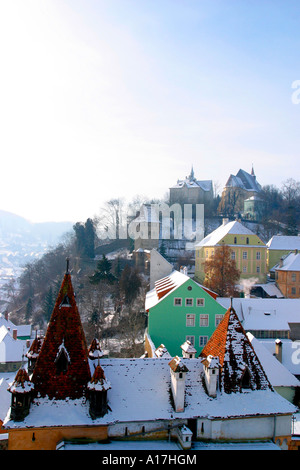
[[62, 369], [21, 391], [230, 348]]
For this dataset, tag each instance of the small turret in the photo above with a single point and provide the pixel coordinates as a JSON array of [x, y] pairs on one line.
[[97, 391], [33, 352], [21, 390], [95, 351]]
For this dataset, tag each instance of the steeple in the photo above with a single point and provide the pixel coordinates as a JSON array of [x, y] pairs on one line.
[[62, 368], [239, 365], [192, 174]]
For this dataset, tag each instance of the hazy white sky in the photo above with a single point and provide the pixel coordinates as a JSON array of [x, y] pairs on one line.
[[114, 98]]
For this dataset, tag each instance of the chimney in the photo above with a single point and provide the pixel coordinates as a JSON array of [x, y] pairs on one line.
[[6, 316], [225, 221], [178, 374], [211, 374], [278, 350], [15, 334], [183, 270]]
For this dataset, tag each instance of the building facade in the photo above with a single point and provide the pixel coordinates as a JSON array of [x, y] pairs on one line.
[[247, 249], [179, 309]]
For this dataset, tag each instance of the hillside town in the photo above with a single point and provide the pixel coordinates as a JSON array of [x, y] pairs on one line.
[[213, 324]]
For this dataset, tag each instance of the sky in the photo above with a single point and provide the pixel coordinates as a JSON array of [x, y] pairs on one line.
[[101, 99]]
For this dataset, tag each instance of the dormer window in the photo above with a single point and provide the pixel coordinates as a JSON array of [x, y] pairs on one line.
[[245, 382], [62, 360], [66, 302]]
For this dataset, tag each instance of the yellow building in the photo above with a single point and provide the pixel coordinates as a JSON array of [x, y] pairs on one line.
[[247, 249]]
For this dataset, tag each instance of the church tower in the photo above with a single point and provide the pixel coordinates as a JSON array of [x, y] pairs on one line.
[[62, 368]]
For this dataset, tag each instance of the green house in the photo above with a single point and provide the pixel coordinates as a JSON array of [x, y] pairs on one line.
[[179, 309]]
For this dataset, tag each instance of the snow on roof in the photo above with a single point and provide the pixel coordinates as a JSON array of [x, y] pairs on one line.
[[234, 227], [205, 185], [164, 287], [271, 289], [243, 180], [23, 330], [284, 242], [5, 398], [11, 350], [277, 373], [264, 314], [140, 391], [290, 353], [290, 263]]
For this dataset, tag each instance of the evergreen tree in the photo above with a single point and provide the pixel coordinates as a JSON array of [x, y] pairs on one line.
[[89, 239], [29, 309], [48, 305], [103, 272]]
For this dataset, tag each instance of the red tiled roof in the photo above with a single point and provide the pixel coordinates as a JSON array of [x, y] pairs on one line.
[[65, 329], [231, 345]]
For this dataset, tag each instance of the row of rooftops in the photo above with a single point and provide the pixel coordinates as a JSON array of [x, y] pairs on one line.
[[139, 388]]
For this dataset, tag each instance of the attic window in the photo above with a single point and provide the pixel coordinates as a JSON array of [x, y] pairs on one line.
[[267, 313], [66, 302], [245, 382], [62, 360]]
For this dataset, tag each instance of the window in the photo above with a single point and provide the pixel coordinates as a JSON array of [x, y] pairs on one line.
[[293, 290], [190, 320], [202, 341], [206, 254], [235, 240], [233, 255], [246, 379], [200, 302], [204, 320], [244, 269], [177, 302], [258, 255], [218, 319], [293, 277], [191, 339], [245, 255], [247, 241], [189, 302], [258, 269]]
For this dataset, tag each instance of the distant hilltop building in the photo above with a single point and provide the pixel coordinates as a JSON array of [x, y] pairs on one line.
[[237, 190], [191, 191]]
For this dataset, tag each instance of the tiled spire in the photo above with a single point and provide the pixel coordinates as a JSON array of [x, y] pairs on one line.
[[62, 368], [239, 365]]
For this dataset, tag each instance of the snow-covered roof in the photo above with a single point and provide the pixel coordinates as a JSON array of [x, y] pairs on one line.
[[290, 263], [140, 391], [5, 398], [277, 373], [234, 227], [23, 330], [244, 181], [284, 242], [264, 314], [290, 353], [11, 350], [167, 284], [205, 185]]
